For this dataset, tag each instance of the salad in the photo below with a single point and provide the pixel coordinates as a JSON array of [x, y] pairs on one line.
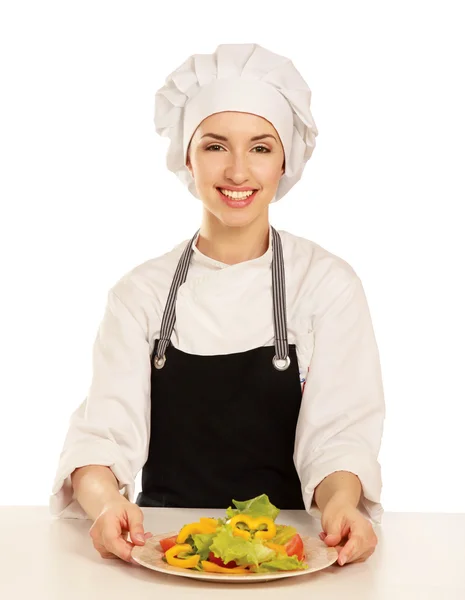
[[248, 540]]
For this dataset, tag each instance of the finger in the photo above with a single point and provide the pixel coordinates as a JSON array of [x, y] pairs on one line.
[[322, 537], [104, 553], [369, 547], [364, 556], [114, 543], [122, 549], [136, 527], [332, 539], [339, 549], [335, 532], [354, 548], [340, 559], [109, 556], [127, 537], [332, 527]]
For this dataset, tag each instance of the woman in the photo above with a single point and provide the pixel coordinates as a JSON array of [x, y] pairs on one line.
[[243, 361]]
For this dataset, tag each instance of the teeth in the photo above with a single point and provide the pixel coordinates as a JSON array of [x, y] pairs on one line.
[[238, 195]]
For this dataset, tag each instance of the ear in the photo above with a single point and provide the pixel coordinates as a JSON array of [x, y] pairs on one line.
[[188, 164]]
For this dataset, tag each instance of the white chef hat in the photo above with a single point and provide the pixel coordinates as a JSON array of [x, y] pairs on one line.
[[242, 78]]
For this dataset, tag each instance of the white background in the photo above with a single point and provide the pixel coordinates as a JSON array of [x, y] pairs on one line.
[[86, 196]]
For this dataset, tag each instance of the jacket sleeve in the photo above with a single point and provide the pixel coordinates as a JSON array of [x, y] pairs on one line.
[[111, 426], [341, 419]]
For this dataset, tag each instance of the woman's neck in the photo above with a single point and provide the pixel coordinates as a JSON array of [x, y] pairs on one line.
[[232, 245]]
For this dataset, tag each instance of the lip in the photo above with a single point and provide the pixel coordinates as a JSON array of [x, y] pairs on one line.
[[235, 202], [237, 189]]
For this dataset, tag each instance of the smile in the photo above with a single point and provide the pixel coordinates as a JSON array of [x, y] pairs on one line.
[[237, 199]]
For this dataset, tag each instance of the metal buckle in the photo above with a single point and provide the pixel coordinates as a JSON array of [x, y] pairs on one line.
[[159, 362], [281, 364]]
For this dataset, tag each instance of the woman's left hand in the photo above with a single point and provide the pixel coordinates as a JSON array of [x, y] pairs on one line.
[[345, 528]]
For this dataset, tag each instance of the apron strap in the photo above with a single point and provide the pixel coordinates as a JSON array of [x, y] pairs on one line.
[[281, 360]]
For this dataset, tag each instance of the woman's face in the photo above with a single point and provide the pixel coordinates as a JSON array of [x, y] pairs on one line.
[[223, 154]]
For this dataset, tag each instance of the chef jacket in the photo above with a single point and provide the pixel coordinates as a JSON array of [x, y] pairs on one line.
[[224, 309]]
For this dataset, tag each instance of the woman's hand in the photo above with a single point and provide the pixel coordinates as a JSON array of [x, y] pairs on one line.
[[345, 528], [110, 529]]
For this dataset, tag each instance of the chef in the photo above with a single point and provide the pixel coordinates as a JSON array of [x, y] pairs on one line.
[[244, 360]]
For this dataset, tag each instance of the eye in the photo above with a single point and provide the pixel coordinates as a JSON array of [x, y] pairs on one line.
[[213, 146], [263, 148]]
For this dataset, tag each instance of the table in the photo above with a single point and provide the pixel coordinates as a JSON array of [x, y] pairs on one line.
[[419, 556]]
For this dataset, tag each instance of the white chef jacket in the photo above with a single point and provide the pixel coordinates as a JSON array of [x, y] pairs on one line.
[[223, 309]]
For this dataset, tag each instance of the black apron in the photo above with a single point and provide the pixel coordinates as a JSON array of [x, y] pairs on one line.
[[222, 427]]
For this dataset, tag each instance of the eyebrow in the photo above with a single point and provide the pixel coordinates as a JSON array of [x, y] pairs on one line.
[[222, 138]]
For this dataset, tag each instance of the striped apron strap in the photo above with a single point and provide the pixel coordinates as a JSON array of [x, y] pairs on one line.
[[281, 359]]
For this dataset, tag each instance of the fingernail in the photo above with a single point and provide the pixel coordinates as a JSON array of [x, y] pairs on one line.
[[343, 561], [140, 537]]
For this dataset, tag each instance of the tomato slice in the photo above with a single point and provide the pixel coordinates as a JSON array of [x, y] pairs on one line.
[[295, 546], [167, 543], [212, 558]]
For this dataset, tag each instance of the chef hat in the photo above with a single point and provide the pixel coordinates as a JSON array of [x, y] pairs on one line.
[[243, 78]]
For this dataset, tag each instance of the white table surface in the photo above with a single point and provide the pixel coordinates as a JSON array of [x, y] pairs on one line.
[[419, 556]]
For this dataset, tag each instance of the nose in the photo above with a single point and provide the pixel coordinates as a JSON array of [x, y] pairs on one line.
[[236, 169]]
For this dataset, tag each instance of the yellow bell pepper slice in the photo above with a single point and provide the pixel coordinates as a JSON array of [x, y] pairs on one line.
[[203, 526], [209, 521], [185, 563], [214, 568], [276, 547], [253, 525], [242, 533]]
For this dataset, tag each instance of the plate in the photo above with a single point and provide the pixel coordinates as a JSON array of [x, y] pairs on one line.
[[319, 556]]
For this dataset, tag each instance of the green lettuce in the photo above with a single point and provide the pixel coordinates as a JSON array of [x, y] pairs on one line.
[[244, 552], [252, 551], [256, 507], [202, 543], [283, 534], [286, 563]]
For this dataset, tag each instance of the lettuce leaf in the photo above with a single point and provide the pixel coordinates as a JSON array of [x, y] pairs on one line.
[[256, 507], [286, 563], [244, 552], [283, 534], [202, 543]]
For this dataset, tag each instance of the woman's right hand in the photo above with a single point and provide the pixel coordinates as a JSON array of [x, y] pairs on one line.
[[110, 529]]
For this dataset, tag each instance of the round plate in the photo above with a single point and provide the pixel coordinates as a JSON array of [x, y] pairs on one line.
[[318, 556]]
